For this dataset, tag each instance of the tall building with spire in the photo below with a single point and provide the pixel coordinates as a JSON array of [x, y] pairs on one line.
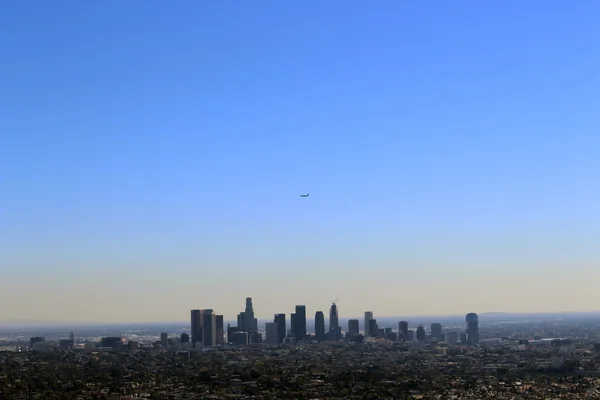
[[250, 323], [334, 322]]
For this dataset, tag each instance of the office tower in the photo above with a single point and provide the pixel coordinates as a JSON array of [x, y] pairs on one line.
[[293, 325], [209, 328], [472, 328], [353, 327], [300, 328], [219, 329], [319, 326], [196, 327], [436, 330], [368, 317], [451, 338], [242, 322], [410, 336], [231, 330], [373, 327], [281, 328], [239, 338], [421, 333], [403, 329], [250, 323], [271, 333], [164, 340], [334, 321], [185, 338]]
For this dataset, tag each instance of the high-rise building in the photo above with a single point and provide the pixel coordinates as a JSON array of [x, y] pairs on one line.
[[300, 328], [231, 330], [319, 326], [241, 319], [293, 325], [403, 330], [251, 323], [209, 328], [185, 338], [472, 328], [196, 327], [271, 333], [373, 328], [219, 330], [368, 317], [281, 328], [164, 340], [436, 330], [353, 327], [72, 338], [421, 333], [334, 322]]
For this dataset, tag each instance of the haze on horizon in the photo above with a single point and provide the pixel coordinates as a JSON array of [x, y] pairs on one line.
[[152, 157]]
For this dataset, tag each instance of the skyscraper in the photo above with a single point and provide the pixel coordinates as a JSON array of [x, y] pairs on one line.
[[251, 323], [353, 327], [368, 317], [436, 330], [300, 328], [164, 340], [196, 327], [271, 333], [334, 322], [319, 326], [403, 330], [421, 333], [219, 329], [293, 324], [373, 328], [472, 328], [209, 328], [281, 328]]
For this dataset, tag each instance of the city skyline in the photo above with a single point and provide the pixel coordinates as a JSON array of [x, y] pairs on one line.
[[152, 158]]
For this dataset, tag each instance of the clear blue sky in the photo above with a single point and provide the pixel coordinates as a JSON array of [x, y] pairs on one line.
[[152, 154]]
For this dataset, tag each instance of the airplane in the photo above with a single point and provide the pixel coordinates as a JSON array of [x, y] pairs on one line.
[[305, 195]]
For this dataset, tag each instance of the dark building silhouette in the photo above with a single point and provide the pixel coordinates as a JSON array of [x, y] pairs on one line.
[[281, 328], [353, 327], [300, 329], [250, 323], [239, 338], [334, 322], [185, 338], [196, 326], [209, 328], [116, 342], [242, 322], [421, 333], [472, 328], [436, 331], [293, 325], [403, 330], [319, 326], [231, 330], [373, 328], [219, 329]]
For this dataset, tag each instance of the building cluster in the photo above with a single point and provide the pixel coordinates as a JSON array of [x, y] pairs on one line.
[[207, 329]]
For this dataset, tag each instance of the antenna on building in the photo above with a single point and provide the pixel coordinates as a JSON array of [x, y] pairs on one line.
[[336, 300]]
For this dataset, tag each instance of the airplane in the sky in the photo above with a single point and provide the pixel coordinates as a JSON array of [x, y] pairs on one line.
[[305, 195]]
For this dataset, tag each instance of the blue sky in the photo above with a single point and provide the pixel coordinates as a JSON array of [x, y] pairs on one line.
[[152, 154]]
